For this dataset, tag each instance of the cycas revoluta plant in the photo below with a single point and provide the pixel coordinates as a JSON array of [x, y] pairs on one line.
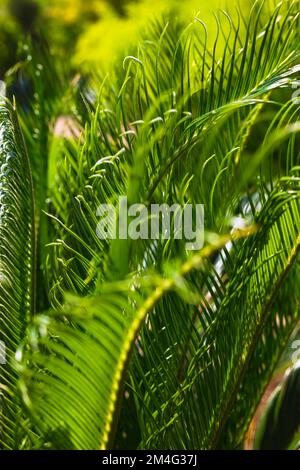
[[143, 344]]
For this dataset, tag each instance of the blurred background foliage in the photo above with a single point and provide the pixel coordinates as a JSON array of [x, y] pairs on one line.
[[95, 33]]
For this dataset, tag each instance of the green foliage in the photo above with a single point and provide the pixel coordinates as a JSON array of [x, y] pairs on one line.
[[189, 339], [91, 348], [17, 287], [279, 426]]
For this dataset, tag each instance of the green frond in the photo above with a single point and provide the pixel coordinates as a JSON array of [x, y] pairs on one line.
[[83, 352]]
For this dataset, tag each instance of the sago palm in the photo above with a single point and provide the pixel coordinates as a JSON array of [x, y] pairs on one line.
[[141, 343]]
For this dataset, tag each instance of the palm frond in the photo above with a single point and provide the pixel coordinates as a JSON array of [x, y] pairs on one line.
[[83, 352], [192, 338], [17, 265]]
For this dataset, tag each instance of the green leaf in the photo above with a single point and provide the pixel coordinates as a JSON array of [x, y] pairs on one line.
[[73, 375], [279, 426]]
